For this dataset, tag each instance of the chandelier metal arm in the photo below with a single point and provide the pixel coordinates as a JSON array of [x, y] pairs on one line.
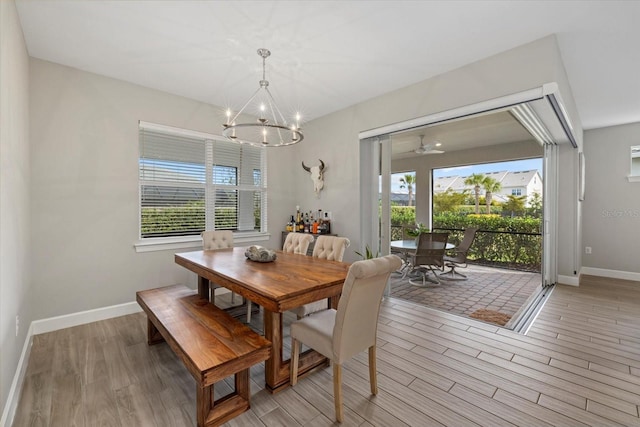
[[274, 107], [246, 104]]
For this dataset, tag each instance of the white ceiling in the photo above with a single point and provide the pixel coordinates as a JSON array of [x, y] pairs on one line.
[[327, 55], [470, 132]]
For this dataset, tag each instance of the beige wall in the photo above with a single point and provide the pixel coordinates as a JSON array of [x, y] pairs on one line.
[[15, 260], [611, 214]]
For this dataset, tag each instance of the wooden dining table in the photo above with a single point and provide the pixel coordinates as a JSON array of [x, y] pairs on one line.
[[290, 281]]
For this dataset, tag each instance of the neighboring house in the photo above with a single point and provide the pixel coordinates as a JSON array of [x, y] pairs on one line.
[[442, 184], [520, 183]]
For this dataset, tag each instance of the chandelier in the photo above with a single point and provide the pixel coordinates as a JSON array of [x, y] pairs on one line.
[[271, 128]]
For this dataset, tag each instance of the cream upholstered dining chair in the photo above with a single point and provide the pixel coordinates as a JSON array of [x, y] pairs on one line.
[[326, 247], [298, 243], [343, 333], [219, 239]]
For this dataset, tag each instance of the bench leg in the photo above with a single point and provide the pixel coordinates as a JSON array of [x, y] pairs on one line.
[[204, 404], [211, 412], [242, 384], [153, 334]]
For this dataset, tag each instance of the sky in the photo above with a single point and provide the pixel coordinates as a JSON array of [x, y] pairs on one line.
[[517, 165]]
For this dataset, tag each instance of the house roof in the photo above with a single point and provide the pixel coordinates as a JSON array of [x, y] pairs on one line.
[[444, 183], [519, 179], [507, 179]]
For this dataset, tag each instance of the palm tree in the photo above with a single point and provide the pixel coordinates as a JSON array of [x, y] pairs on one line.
[[514, 204], [534, 207], [408, 180], [476, 179], [490, 186]]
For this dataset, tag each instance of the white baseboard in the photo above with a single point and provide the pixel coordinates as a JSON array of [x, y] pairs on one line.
[[614, 274], [569, 280], [49, 325], [83, 317], [9, 411]]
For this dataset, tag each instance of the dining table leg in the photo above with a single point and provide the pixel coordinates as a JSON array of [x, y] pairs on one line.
[[277, 370], [203, 288], [274, 375]]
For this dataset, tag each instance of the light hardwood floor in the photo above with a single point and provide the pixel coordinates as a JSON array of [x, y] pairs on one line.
[[578, 365]]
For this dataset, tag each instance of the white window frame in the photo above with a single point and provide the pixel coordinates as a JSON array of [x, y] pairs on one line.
[[195, 241]]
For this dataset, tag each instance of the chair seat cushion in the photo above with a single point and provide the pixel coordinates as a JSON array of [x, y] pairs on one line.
[[316, 331], [460, 259], [312, 307]]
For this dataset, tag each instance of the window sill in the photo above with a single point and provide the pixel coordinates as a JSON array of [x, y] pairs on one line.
[[633, 178], [192, 242]]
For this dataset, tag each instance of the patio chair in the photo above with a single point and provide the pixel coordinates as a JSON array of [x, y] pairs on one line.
[[429, 254], [403, 254], [458, 257]]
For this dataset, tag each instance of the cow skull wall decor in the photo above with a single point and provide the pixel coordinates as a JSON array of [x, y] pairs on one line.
[[316, 176]]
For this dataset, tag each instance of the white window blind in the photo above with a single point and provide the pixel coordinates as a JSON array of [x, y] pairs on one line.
[[191, 181]]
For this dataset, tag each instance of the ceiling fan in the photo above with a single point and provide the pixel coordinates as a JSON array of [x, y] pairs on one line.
[[428, 148]]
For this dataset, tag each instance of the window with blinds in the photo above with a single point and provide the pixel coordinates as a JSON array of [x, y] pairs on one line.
[[190, 181]]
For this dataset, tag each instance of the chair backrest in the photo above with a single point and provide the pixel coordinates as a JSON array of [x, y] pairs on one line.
[[298, 243], [467, 240], [330, 247], [218, 239], [431, 248], [356, 322]]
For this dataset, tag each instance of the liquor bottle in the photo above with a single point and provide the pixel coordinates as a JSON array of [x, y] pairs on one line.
[[314, 225], [291, 224], [327, 223], [296, 226]]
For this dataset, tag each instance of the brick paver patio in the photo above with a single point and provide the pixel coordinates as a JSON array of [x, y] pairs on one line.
[[486, 287]]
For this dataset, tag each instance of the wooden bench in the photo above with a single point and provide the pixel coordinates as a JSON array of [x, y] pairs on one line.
[[212, 345]]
